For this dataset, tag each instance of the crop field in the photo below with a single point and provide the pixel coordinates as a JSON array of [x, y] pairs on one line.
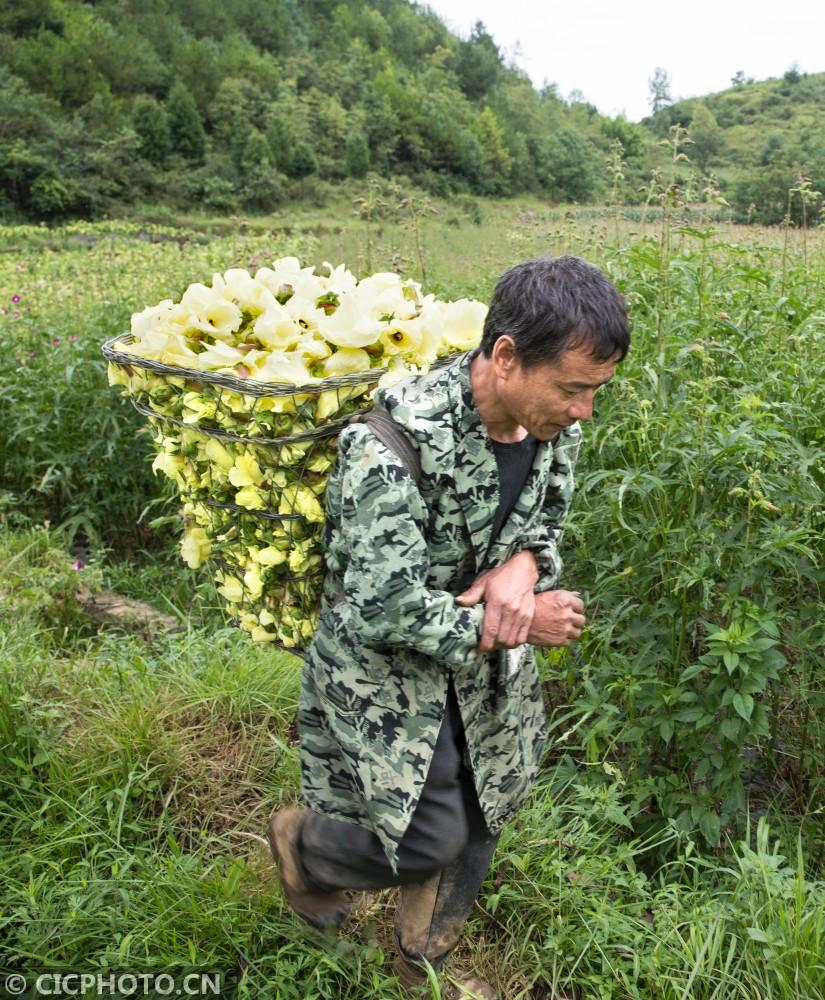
[[674, 846]]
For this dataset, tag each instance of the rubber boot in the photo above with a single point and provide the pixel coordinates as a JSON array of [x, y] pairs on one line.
[[323, 909], [431, 916]]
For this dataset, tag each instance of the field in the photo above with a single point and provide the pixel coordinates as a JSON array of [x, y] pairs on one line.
[[675, 845]]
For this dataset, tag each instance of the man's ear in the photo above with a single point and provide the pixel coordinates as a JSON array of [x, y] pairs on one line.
[[504, 355]]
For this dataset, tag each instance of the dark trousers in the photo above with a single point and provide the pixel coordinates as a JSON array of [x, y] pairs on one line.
[[447, 823]]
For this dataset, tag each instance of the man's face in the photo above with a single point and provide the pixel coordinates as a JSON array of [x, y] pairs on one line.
[[549, 396]]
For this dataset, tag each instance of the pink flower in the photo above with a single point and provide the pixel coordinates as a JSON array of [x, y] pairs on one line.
[[72, 336], [79, 564], [32, 354], [21, 267], [4, 311], [15, 298], [55, 341], [16, 313]]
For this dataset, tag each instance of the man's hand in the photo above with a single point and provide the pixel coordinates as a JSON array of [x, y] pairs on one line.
[[509, 602], [558, 619]]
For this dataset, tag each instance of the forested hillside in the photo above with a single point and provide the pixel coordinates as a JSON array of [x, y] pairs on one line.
[[765, 140], [243, 106]]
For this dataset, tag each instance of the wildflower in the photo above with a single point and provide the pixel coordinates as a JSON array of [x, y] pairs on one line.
[[73, 336], [55, 341], [78, 564], [21, 267], [4, 311], [16, 313], [15, 298]]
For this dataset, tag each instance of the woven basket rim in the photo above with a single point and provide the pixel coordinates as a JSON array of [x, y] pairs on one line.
[[247, 387]]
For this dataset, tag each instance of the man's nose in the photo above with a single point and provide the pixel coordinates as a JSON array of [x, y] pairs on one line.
[[582, 409]]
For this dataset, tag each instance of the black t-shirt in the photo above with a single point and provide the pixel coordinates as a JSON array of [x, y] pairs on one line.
[[515, 459]]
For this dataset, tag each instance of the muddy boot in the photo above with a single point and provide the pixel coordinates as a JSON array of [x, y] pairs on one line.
[[431, 916], [322, 909]]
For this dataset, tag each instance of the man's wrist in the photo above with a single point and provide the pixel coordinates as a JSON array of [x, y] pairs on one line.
[[530, 557]]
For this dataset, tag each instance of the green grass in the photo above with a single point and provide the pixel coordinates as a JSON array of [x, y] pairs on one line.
[[137, 781], [675, 845]]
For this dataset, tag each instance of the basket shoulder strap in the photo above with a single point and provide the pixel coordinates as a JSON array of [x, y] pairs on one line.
[[388, 433]]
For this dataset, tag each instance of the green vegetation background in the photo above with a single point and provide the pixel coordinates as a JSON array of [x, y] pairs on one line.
[[111, 106], [675, 844]]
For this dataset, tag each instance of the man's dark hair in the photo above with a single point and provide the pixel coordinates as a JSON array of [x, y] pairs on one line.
[[552, 304]]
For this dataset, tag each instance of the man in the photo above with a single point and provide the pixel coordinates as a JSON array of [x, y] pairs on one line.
[[422, 722]]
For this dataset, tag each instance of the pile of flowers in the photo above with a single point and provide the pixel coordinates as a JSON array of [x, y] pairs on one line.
[[246, 382]]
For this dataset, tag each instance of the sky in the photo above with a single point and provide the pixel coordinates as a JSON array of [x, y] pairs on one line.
[[608, 49]]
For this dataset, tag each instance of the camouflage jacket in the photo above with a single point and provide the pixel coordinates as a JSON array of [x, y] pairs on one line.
[[375, 682]]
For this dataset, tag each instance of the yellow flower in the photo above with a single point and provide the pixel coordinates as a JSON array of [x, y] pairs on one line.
[[351, 325], [117, 375], [275, 328], [252, 581], [271, 556], [213, 314], [238, 285], [250, 498], [218, 455], [245, 471], [340, 280], [300, 500], [231, 589], [383, 294], [394, 375], [402, 336], [299, 558], [282, 366], [345, 360], [260, 634], [220, 356], [169, 465], [196, 408], [195, 547], [463, 323], [330, 401]]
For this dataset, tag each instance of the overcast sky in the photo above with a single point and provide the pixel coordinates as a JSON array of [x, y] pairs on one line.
[[608, 49]]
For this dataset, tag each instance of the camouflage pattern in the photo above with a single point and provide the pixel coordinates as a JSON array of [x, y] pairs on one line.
[[390, 635]]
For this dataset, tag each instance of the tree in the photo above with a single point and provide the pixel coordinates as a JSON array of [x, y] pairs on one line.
[[571, 166], [706, 135], [188, 136], [496, 162], [659, 86], [302, 161], [263, 186], [478, 64], [738, 78], [358, 155], [151, 123]]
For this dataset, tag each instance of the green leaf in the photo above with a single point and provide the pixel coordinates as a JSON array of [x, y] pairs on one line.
[[730, 729], [690, 672], [666, 730], [710, 827], [731, 660], [690, 714], [743, 704]]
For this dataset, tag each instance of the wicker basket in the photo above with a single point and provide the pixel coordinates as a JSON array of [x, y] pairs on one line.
[[250, 460]]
